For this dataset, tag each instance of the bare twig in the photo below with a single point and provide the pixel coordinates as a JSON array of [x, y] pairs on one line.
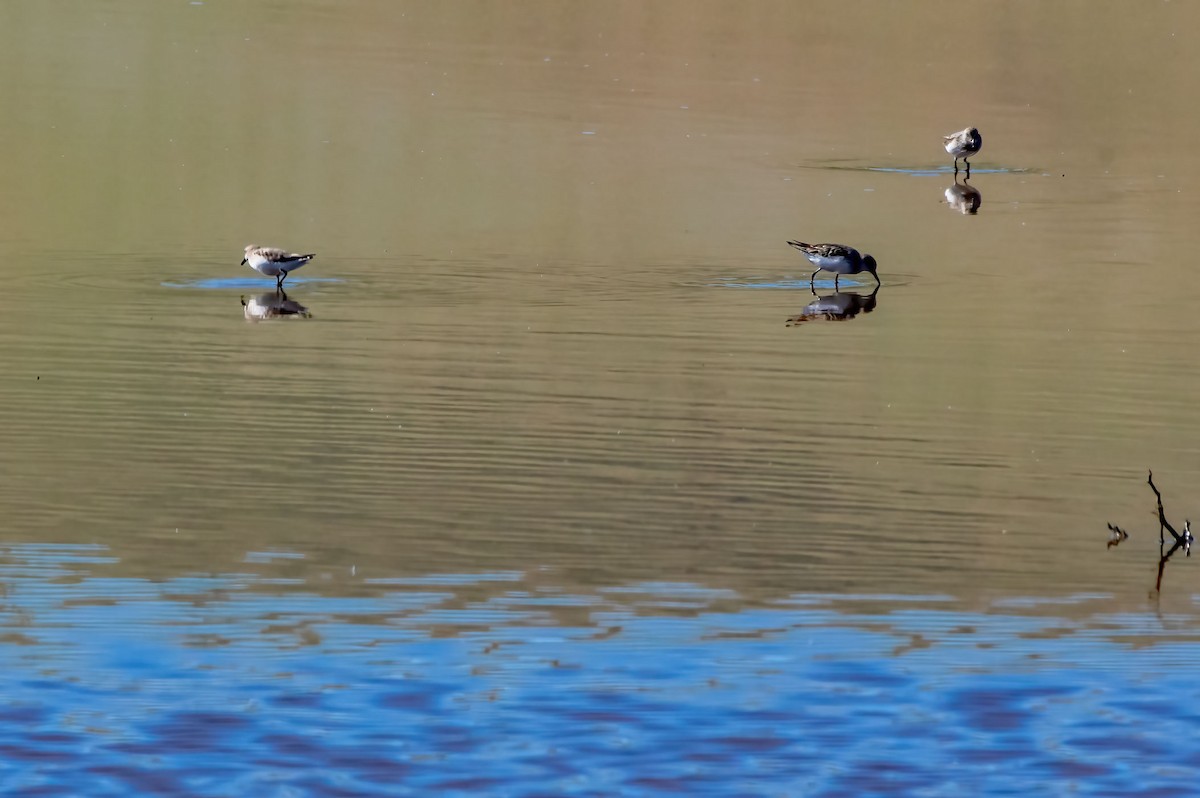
[[1162, 517], [1182, 540]]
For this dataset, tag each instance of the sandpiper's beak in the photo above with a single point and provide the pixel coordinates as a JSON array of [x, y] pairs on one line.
[[243, 261]]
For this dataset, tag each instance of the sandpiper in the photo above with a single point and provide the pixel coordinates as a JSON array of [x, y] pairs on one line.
[[273, 262], [963, 144], [836, 258]]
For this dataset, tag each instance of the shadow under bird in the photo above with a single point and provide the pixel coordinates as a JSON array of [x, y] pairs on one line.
[[837, 258], [963, 144], [273, 262]]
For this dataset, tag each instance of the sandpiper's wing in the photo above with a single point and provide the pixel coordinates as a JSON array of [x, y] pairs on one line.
[[276, 255], [821, 250], [836, 251], [283, 260], [827, 250]]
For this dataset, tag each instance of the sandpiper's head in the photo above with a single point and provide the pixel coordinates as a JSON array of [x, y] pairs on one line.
[[247, 251], [869, 265]]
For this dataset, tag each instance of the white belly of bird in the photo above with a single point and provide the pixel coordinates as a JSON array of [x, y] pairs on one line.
[[264, 266], [274, 268], [960, 149], [841, 265]]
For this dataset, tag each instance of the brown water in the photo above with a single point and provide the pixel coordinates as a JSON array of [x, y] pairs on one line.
[[540, 351], [549, 381]]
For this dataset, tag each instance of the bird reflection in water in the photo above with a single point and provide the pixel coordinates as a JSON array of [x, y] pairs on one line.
[[964, 198], [837, 306], [273, 305]]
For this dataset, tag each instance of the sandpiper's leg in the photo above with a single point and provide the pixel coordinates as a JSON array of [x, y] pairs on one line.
[[279, 281], [812, 277], [878, 282], [968, 163], [836, 276], [956, 167]]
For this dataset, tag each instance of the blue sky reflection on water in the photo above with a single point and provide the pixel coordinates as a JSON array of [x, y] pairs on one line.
[[229, 686]]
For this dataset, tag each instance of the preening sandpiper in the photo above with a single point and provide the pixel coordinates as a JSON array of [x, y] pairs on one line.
[[963, 144], [272, 262], [837, 258]]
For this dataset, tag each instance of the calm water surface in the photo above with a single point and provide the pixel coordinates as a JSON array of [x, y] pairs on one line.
[[570, 485]]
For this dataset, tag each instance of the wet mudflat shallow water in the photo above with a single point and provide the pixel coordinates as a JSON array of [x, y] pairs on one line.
[[566, 482]]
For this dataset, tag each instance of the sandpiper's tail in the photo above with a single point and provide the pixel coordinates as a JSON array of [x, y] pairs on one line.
[[297, 261]]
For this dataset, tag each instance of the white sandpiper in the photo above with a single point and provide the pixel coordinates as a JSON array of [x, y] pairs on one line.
[[837, 258], [963, 144], [273, 262]]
